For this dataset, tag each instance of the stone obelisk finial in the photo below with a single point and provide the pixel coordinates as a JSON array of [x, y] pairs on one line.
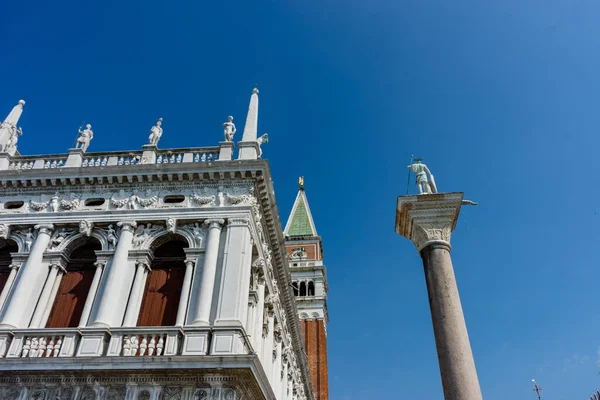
[[428, 221], [9, 131], [248, 147]]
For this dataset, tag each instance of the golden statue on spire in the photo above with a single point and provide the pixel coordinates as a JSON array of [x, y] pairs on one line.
[[301, 182]]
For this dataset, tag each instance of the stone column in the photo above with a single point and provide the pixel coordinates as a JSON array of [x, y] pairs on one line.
[[45, 296], [9, 281], [277, 362], [137, 292], [209, 271], [50, 303], [259, 317], [235, 279], [250, 319], [428, 220], [284, 383], [89, 301], [28, 283], [185, 292], [114, 291], [268, 345]]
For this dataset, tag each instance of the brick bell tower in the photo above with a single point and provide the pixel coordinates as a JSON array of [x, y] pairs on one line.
[[309, 281]]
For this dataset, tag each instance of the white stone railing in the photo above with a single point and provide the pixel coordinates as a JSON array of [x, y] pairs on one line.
[[43, 343], [142, 341], [107, 159]]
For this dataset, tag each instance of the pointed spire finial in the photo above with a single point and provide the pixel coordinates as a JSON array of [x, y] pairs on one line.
[[301, 183], [255, 90]]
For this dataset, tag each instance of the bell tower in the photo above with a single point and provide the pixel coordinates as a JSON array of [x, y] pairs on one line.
[[309, 281]]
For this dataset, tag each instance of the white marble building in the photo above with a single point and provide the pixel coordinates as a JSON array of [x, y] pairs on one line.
[[152, 274]]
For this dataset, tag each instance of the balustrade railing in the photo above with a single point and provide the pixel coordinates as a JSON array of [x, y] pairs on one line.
[[93, 160], [43, 343], [142, 341], [42, 346]]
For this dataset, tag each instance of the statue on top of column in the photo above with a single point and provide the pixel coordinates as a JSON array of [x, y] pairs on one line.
[[85, 137], [229, 129], [155, 133], [425, 186], [263, 139]]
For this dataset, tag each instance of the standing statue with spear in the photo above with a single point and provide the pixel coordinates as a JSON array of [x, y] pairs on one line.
[[426, 186], [85, 137]]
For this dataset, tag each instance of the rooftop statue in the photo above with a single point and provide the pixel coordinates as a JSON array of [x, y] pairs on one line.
[[9, 131], [229, 129], [155, 133], [85, 137], [263, 139], [425, 186]]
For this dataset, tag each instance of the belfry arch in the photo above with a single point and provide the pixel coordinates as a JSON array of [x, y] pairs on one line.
[[162, 291]]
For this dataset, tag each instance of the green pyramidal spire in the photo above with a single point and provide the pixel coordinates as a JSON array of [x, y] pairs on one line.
[[300, 222]]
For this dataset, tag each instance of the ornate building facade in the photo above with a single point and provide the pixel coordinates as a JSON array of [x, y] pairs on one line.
[[309, 281], [152, 274]]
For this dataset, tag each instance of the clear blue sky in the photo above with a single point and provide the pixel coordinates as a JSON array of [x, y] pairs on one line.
[[500, 98]]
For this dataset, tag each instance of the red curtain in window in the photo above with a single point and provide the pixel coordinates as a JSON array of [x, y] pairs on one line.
[[70, 299], [161, 297]]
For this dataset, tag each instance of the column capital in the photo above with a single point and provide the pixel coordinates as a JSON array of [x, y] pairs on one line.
[[100, 264], [14, 266], [127, 225], [58, 267], [214, 223], [429, 218], [143, 264], [44, 228], [190, 262]]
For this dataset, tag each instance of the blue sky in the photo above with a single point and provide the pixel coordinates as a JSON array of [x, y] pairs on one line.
[[500, 98]]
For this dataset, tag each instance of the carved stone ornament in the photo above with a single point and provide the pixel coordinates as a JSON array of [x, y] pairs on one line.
[[4, 231], [35, 206], [60, 236], [201, 394], [423, 236], [203, 200], [198, 232], [171, 224], [111, 237], [26, 237], [85, 227], [143, 233], [133, 201]]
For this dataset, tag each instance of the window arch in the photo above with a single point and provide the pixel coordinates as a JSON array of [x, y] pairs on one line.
[[163, 285], [302, 288], [74, 286], [311, 288]]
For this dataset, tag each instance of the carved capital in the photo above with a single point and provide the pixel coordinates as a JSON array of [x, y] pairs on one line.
[[14, 266], [127, 226], [190, 262], [44, 228], [216, 223], [143, 264], [428, 219], [100, 264]]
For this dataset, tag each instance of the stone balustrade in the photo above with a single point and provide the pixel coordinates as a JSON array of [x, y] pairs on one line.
[[107, 159], [42, 343], [142, 341]]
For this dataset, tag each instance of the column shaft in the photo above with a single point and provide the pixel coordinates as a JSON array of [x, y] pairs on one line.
[[268, 346], [235, 282], [52, 298], [277, 368], [209, 271], [8, 285], [114, 291], [28, 284], [457, 367], [259, 316], [89, 301], [131, 314], [284, 383], [185, 293], [250, 322], [44, 297]]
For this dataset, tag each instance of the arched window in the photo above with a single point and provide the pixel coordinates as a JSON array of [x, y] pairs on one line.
[[74, 286], [311, 288], [302, 288], [163, 285], [5, 261]]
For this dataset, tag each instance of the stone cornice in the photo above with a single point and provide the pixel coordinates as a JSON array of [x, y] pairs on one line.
[[429, 218]]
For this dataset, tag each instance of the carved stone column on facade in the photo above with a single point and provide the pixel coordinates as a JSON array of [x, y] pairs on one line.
[[428, 220], [276, 381], [45, 299], [209, 271], [137, 292], [115, 287], [14, 268], [237, 259], [185, 292], [89, 301], [267, 360], [28, 284], [259, 315]]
